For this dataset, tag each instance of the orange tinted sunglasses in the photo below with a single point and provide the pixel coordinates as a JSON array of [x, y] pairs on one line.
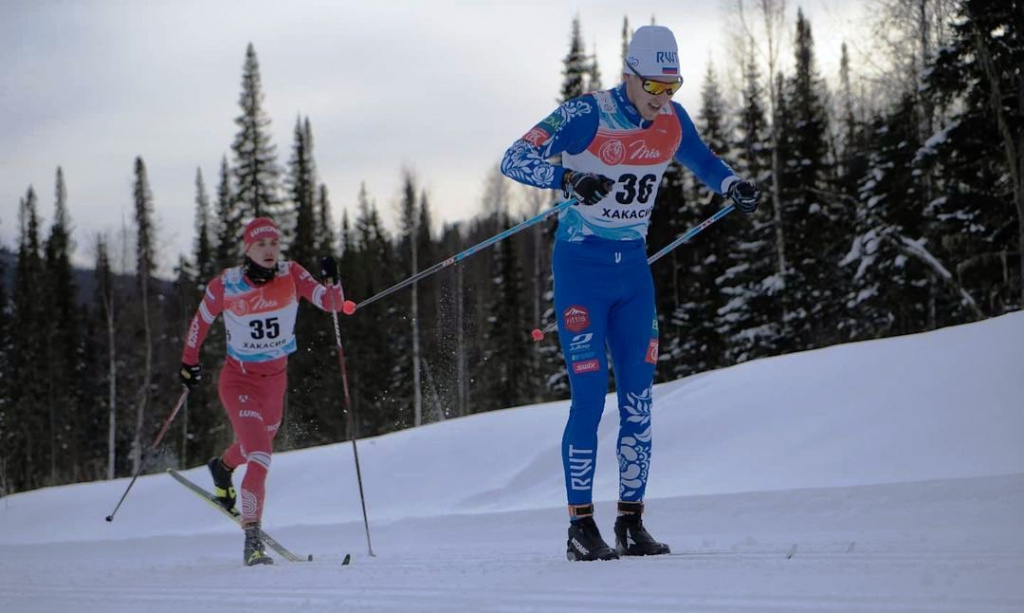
[[656, 88]]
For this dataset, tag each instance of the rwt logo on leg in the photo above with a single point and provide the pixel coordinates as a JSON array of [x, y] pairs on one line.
[[581, 464]]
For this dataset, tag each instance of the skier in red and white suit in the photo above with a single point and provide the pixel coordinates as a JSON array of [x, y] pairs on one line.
[[259, 300]]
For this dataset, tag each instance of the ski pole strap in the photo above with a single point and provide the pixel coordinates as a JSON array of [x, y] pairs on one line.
[[580, 510], [631, 507]]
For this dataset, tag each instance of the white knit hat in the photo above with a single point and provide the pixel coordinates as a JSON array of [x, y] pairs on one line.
[[653, 53]]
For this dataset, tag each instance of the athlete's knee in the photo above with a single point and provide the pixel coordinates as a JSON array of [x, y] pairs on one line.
[[585, 416], [258, 458]]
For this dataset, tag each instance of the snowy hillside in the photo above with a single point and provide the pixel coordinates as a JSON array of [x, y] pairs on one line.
[[896, 467]]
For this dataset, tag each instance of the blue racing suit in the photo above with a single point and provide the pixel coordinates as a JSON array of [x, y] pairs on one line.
[[604, 293]]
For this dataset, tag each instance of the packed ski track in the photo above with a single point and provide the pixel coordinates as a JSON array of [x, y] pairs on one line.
[[881, 476]]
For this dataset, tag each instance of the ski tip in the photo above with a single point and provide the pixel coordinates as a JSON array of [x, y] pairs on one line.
[[346, 560], [791, 552]]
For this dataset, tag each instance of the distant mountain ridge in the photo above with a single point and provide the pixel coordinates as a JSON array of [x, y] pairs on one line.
[[85, 279]]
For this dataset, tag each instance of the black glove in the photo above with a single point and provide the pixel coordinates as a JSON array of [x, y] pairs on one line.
[[745, 196], [329, 271], [190, 374], [587, 188]]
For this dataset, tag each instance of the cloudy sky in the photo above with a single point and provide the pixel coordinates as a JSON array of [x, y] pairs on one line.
[[441, 87]]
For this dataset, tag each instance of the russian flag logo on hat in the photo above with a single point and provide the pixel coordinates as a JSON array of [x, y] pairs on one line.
[[669, 70]]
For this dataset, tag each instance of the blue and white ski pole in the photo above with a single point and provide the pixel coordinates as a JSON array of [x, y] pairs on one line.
[[350, 307]]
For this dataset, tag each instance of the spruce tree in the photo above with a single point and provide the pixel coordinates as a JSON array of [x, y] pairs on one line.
[[508, 345], [749, 320], [816, 222], [106, 298], [203, 248], [594, 73], [979, 154], [255, 168], [436, 382], [145, 266], [27, 448], [408, 244], [888, 292], [693, 341], [302, 184], [575, 65], [229, 222], [6, 416], [326, 241], [373, 360], [62, 343]]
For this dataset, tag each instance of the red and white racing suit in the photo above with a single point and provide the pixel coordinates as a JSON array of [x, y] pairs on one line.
[[260, 325]]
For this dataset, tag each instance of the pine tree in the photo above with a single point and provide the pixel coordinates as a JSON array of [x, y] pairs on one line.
[[408, 245], [6, 410], [627, 35], [979, 153], [694, 343], [302, 192], [436, 384], [750, 318], [27, 449], [145, 265], [575, 65], [201, 419], [509, 351], [889, 291], [816, 222], [594, 73], [62, 344], [229, 222], [203, 248], [326, 242], [255, 170], [107, 300], [372, 355]]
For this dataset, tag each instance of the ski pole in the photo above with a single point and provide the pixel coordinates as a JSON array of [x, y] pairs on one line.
[[351, 412], [462, 255], [156, 442], [694, 231], [538, 335]]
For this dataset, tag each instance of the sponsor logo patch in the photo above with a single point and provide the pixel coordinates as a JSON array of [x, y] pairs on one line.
[[554, 120], [612, 152], [239, 307], [580, 342], [577, 319], [587, 366], [652, 352], [536, 137]]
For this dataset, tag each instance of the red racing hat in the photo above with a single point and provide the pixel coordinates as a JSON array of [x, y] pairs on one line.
[[261, 227]]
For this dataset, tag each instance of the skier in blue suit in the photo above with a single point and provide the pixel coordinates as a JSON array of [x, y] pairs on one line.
[[615, 147]]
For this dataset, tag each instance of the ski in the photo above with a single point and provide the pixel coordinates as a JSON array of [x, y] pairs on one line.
[[237, 517]]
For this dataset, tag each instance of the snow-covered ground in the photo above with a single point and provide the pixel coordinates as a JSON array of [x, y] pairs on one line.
[[896, 467]]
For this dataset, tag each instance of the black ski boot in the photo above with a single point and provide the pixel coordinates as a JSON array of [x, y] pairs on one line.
[[254, 553], [223, 489], [585, 542], [631, 539]]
